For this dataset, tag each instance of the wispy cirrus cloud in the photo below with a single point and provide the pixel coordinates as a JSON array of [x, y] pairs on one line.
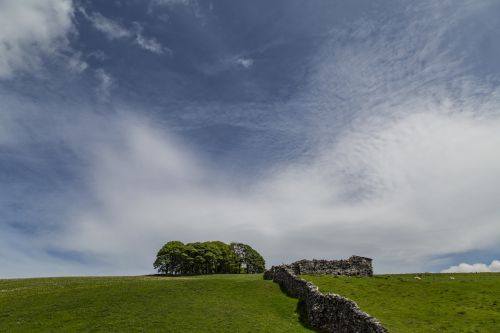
[[76, 64], [245, 62], [115, 30], [105, 82], [111, 29], [148, 43]]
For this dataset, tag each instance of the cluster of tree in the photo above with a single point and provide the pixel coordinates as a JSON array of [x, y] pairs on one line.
[[177, 258]]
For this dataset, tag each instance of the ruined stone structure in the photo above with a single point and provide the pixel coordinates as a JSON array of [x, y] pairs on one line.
[[354, 266], [325, 312]]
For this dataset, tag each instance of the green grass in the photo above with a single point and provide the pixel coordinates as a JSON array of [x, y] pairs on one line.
[[436, 303], [217, 303]]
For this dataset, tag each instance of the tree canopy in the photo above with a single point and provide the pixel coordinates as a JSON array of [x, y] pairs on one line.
[[213, 257], [251, 260]]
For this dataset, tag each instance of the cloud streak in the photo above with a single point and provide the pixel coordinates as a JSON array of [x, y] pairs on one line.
[[149, 44], [245, 62], [110, 28], [105, 80], [115, 30]]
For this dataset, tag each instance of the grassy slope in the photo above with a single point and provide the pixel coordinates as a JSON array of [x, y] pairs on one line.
[[436, 303], [228, 303]]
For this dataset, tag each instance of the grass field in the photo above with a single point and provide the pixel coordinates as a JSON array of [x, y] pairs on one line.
[[435, 303], [216, 303]]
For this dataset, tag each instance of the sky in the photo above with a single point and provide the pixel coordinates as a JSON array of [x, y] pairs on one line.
[[307, 129]]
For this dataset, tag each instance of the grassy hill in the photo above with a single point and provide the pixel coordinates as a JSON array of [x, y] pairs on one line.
[[242, 303], [215, 303], [435, 303]]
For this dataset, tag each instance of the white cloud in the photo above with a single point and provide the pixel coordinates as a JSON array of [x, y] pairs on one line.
[[112, 29], [105, 82], [149, 44], [29, 30], [474, 268], [245, 62], [76, 64]]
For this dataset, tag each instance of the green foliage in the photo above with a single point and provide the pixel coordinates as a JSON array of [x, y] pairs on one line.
[[251, 260], [435, 303], [212, 303], [177, 258]]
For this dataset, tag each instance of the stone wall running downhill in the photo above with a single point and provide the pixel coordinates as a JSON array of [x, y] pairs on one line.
[[325, 312], [355, 265]]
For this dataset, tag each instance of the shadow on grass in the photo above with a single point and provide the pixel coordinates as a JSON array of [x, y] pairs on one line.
[[301, 310]]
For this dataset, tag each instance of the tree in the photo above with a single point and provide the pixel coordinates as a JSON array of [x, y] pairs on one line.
[[251, 260], [176, 258], [169, 258]]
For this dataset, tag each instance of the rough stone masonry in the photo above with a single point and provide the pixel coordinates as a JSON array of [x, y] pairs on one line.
[[354, 266], [327, 312]]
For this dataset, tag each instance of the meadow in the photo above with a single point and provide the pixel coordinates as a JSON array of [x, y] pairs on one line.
[[434, 303], [243, 303], [212, 303]]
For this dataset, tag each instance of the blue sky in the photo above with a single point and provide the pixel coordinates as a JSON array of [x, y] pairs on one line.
[[308, 129]]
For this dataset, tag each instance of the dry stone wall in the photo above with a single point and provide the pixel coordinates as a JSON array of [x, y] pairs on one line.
[[325, 312], [354, 266]]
